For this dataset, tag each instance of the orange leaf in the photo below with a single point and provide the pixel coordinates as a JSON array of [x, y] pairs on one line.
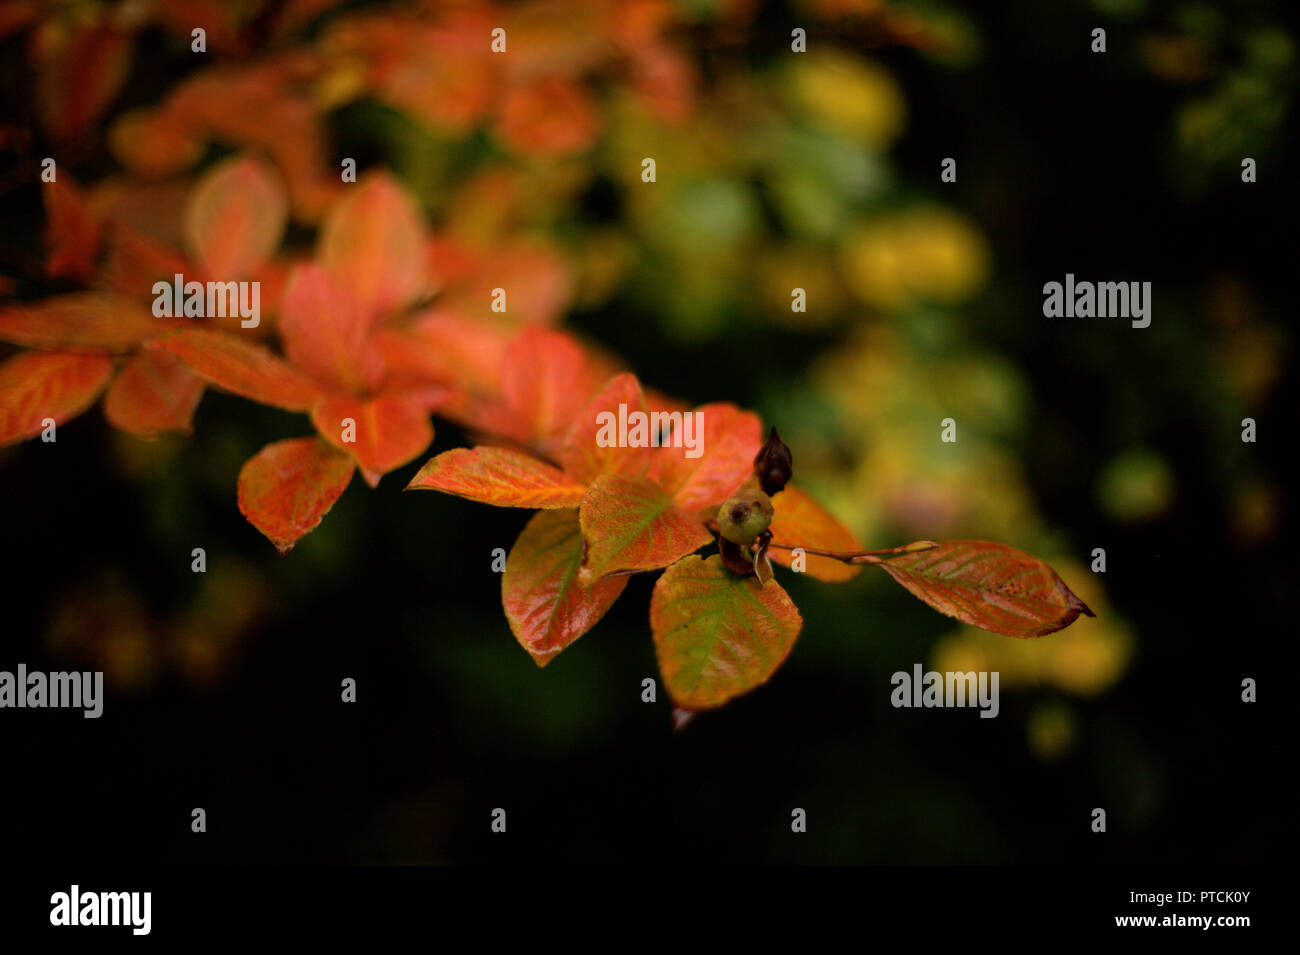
[[547, 606], [39, 385], [800, 521], [326, 333], [630, 524], [717, 634], [248, 370], [595, 444], [449, 347], [549, 117], [537, 280], [727, 442], [374, 244], [990, 586], [499, 476], [548, 379], [156, 391], [380, 433], [235, 218], [72, 232], [287, 487], [154, 143], [78, 73], [91, 320], [136, 260]]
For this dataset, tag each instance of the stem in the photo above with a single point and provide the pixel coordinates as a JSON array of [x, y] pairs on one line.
[[859, 557]]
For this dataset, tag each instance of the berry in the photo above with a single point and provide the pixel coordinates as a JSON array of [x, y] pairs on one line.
[[745, 516]]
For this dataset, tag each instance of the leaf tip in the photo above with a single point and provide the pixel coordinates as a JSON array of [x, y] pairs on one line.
[[681, 717]]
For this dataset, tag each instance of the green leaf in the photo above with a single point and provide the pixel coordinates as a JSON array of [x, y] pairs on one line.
[[630, 524], [988, 585], [718, 635], [546, 604]]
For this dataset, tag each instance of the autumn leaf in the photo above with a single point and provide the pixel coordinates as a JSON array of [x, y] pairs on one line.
[[988, 585], [726, 444], [79, 72], [718, 635], [326, 332], [549, 117], [374, 244], [385, 432], [39, 385], [499, 476], [73, 234], [286, 488], [235, 218], [591, 448], [630, 524], [154, 392], [546, 604], [800, 521], [95, 321], [242, 368]]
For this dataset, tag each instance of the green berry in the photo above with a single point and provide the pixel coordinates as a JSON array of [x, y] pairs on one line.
[[745, 516]]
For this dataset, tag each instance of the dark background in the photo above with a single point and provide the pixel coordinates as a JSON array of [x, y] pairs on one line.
[[1067, 167]]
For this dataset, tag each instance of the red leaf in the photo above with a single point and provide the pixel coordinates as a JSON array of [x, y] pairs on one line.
[[988, 585], [235, 218], [386, 432], [449, 347], [79, 72], [547, 380], [549, 117], [592, 446], [374, 244], [800, 521], [156, 391], [727, 443], [547, 606], [92, 320], [326, 333], [287, 487], [39, 385], [72, 232], [242, 368], [630, 524], [499, 476], [717, 634]]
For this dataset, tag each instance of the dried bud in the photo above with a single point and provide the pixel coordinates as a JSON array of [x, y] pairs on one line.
[[773, 465]]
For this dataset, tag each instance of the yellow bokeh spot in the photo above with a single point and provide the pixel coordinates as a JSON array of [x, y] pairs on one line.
[[849, 96], [928, 254]]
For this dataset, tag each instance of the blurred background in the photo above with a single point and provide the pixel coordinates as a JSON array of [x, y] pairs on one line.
[[775, 170]]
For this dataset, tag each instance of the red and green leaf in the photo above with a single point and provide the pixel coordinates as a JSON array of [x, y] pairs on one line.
[[988, 585], [55, 385], [800, 521], [718, 635], [154, 392], [287, 487], [547, 605], [242, 368], [499, 476], [630, 525]]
